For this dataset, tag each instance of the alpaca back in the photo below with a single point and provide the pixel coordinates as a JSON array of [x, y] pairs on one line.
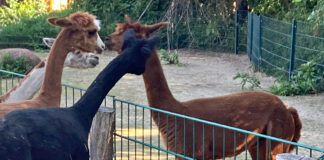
[[46, 133]]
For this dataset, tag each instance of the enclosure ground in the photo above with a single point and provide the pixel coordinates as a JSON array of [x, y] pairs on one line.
[[206, 74]]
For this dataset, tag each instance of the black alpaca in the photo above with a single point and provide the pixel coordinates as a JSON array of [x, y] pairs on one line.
[[62, 133]]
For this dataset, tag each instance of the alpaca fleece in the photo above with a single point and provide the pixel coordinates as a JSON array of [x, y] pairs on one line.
[[259, 112], [62, 133]]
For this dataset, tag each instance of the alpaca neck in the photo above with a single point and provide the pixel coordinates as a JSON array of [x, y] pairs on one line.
[[27, 87], [50, 91], [157, 90], [89, 103]]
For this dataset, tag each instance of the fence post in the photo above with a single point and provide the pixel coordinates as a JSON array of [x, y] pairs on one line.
[[260, 43], [236, 33], [251, 36], [114, 128], [293, 45], [101, 134]]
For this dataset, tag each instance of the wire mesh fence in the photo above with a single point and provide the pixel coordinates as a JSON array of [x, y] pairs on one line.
[[209, 33], [279, 47], [141, 132], [144, 132]]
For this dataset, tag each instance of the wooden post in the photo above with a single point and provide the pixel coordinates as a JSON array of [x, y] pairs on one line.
[[101, 135]]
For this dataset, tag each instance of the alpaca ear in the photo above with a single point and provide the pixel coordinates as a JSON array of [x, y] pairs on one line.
[[49, 42], [128, 37], [60, 22], [149, 46], [128, 19], [154, 27]]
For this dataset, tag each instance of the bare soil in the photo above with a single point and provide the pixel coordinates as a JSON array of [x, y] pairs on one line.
[[207, 74]]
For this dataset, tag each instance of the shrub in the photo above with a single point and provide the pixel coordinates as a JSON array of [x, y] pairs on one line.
[[31, 31], [171, 58], [18, 65], [18, 10], [308, 79], [251, 80]]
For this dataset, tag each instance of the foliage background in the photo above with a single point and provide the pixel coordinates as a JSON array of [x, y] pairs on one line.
[[194, 24]]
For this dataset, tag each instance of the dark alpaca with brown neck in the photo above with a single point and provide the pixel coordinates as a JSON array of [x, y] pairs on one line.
[[253, 111], [62, 133]]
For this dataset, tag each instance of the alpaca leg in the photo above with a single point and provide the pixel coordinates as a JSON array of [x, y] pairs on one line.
[[283, 132], [259, 151]]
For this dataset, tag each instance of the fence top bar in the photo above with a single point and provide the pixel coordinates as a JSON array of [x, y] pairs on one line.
[[224, 126], [13, 73], [22, 75]]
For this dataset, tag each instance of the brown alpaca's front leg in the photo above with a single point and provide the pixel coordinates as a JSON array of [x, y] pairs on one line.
[[260, 152]]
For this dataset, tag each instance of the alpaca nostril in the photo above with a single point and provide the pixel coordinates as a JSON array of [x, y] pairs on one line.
[[103, 47]]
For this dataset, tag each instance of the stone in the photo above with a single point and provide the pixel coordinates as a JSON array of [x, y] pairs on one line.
[[286, 156], [32, 58]]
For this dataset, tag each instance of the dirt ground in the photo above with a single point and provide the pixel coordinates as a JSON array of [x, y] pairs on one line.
[[207, 74]]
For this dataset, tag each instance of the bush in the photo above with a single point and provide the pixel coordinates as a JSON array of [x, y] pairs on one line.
[[18, 65], [171, 58], [31, 31], [18, 10], [308, 79], [251, 80]]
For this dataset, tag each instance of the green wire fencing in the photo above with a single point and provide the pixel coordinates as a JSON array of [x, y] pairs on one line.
[[208, 33], [279, 47], [137, 136]]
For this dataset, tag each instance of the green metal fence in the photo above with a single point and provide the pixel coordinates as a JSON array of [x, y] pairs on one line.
[[279, 47], [136, 136]]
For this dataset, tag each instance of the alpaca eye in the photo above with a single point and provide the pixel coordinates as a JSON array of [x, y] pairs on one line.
[[93, 32]]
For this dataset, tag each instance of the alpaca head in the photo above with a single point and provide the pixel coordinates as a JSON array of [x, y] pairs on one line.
[[76, 59], [79, 31], [137, 51], [114, 40]]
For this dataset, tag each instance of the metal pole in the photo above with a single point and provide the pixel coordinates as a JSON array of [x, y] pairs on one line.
[[293, 44], [236, 33], [260, 43], [251, 36]]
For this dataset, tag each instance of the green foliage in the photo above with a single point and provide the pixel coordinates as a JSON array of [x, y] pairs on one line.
[[171, 58], [275, 8], [308, 79], [317, 17], [284, 9], [112, 12], [30, 31], [247, 79], [20, 9], [18, 65]]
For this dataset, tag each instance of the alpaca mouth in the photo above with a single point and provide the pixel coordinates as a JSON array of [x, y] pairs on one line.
[[94, 62], [99, 50]]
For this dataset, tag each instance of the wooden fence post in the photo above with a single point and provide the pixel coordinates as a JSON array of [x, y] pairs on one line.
[[101, 135]]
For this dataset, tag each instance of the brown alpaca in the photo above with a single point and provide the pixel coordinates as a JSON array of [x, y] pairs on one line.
[[259, 112], [79, 32]]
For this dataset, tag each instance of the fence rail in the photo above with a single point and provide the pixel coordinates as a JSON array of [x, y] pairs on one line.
[[278, 47], [137, 136]]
